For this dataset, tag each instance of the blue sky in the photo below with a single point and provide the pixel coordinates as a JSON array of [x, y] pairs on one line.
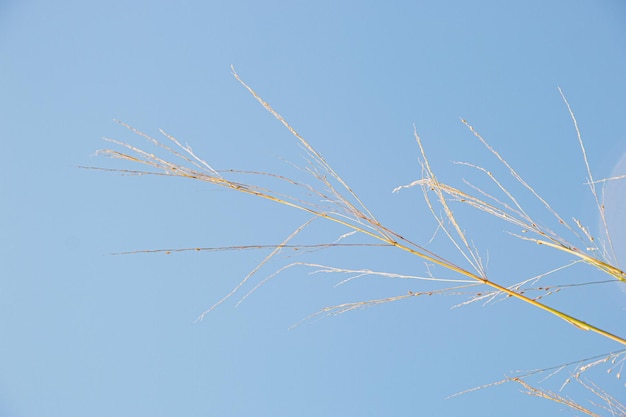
[[89, 333]]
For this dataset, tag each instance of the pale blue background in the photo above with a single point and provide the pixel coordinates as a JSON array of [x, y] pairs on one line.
[[84, 333]]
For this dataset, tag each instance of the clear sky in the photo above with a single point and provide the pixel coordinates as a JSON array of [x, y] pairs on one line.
[[87, 333]]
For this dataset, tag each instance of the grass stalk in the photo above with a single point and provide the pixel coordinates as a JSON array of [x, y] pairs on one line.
[[349, 211]]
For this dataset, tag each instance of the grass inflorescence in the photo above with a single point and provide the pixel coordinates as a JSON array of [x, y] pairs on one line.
[[331, 199]]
